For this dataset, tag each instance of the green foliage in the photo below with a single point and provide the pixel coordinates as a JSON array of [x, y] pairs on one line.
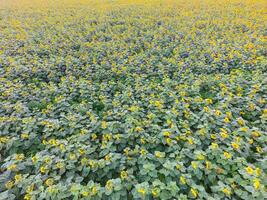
[[112, 103]]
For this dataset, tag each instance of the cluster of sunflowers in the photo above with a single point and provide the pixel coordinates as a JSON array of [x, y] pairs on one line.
[[133, 99]]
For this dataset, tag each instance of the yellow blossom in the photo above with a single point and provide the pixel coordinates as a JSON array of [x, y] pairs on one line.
[[27, 197], [201, 131], [166, 134], [109, 185], [123, 175], [178, 166], [117, 137], [217, 112], [24, 135], [226, 191], [47, 160], [255, 134], [11, 167], [62, 147], [154, 192], [107, 158], [158, 104], [94, 190], [190, 141], [227, 155], [59, 165], [182, 180], [83, 131], [249, 170], [53, 142], [208, 165], [237, 139], [240, 122], [43, 169], [141, 191], [256, 184], [103, 124], [243, 129], [49, 182], [193, 192], [200, 157], [229, 114], [250, 141], [142, 140], [19, 156], [93, 136], [138, 129], [206, 109], [235, 145], [158, 154], [133, 108], [81, 151], [213, 136], [258, 149], [194, 165], [142, 152], [224, 135], [84, 161], [226, 120], [18, 177], [168, 141], [3, 139], [251, 107], [72, 156], [85, 193], [214, 145], [208, 101], [257, 171], [9, 184], [30, 188], [222, 130]]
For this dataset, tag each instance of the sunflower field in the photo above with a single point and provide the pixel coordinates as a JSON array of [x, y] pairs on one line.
[[133, 99]]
